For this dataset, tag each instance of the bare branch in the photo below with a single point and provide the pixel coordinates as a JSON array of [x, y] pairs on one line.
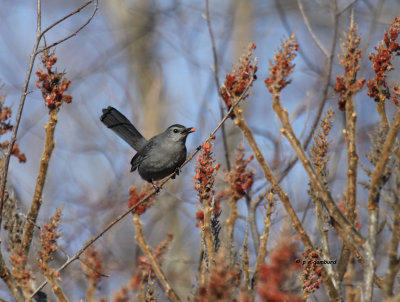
[[217, 82], [313, 36], [76, 31]]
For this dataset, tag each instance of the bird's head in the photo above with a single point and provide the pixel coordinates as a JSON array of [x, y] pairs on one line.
[[178, 132]]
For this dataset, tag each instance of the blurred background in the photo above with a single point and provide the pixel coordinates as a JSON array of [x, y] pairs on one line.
[[153, 61]]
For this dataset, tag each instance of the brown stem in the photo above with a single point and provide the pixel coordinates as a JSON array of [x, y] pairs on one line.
[[230, 227], [352, 164], [154, 265], [394, 260], [262, 251], [206, 230], [40, 181], [246, 262], [9, 280], [57, 290]]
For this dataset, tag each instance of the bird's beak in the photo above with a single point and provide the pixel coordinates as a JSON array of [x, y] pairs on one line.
[[190, 130]]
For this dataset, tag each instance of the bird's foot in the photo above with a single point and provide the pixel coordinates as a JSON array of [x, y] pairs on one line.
[[177, 171], [157, 188]]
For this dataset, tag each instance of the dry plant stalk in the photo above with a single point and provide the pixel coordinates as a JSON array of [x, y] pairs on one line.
[[319, 158], [53, 86], [393, 258], [206, 171], [240, 179], [347, 86], [48, 241], [262, 251], [139, 237]]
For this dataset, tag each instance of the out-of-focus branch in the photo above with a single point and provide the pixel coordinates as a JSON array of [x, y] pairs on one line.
[[154, 265], [217, 82], [307, 23]]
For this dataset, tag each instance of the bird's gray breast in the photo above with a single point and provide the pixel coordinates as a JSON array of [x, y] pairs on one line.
[[161, 159]]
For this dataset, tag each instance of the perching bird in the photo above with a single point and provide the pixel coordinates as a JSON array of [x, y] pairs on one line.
[[156, 158]]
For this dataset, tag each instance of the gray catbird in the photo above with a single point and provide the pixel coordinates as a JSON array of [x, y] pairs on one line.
[[155, 158]]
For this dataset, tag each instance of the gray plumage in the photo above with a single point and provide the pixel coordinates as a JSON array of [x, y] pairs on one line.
[[157, 158]]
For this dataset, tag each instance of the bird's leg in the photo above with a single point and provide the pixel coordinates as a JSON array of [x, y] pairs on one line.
[[177, 170], [157, 188]]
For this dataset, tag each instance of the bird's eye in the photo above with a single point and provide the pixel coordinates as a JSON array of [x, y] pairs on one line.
[[175, 130]]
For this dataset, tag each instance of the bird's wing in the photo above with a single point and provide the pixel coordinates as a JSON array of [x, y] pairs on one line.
[[141, 155], [136, 161], [118, 123]]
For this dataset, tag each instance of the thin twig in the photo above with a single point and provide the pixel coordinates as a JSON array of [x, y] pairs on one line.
[[76, 31], [307, 23], [350, 4], [65, 18], [154, 265], [152, 193], [217, 82]]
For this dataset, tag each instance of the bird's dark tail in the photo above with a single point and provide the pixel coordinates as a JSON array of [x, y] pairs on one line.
[[118, 123]]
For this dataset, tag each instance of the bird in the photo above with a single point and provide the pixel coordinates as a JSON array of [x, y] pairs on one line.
[[157, 157]]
